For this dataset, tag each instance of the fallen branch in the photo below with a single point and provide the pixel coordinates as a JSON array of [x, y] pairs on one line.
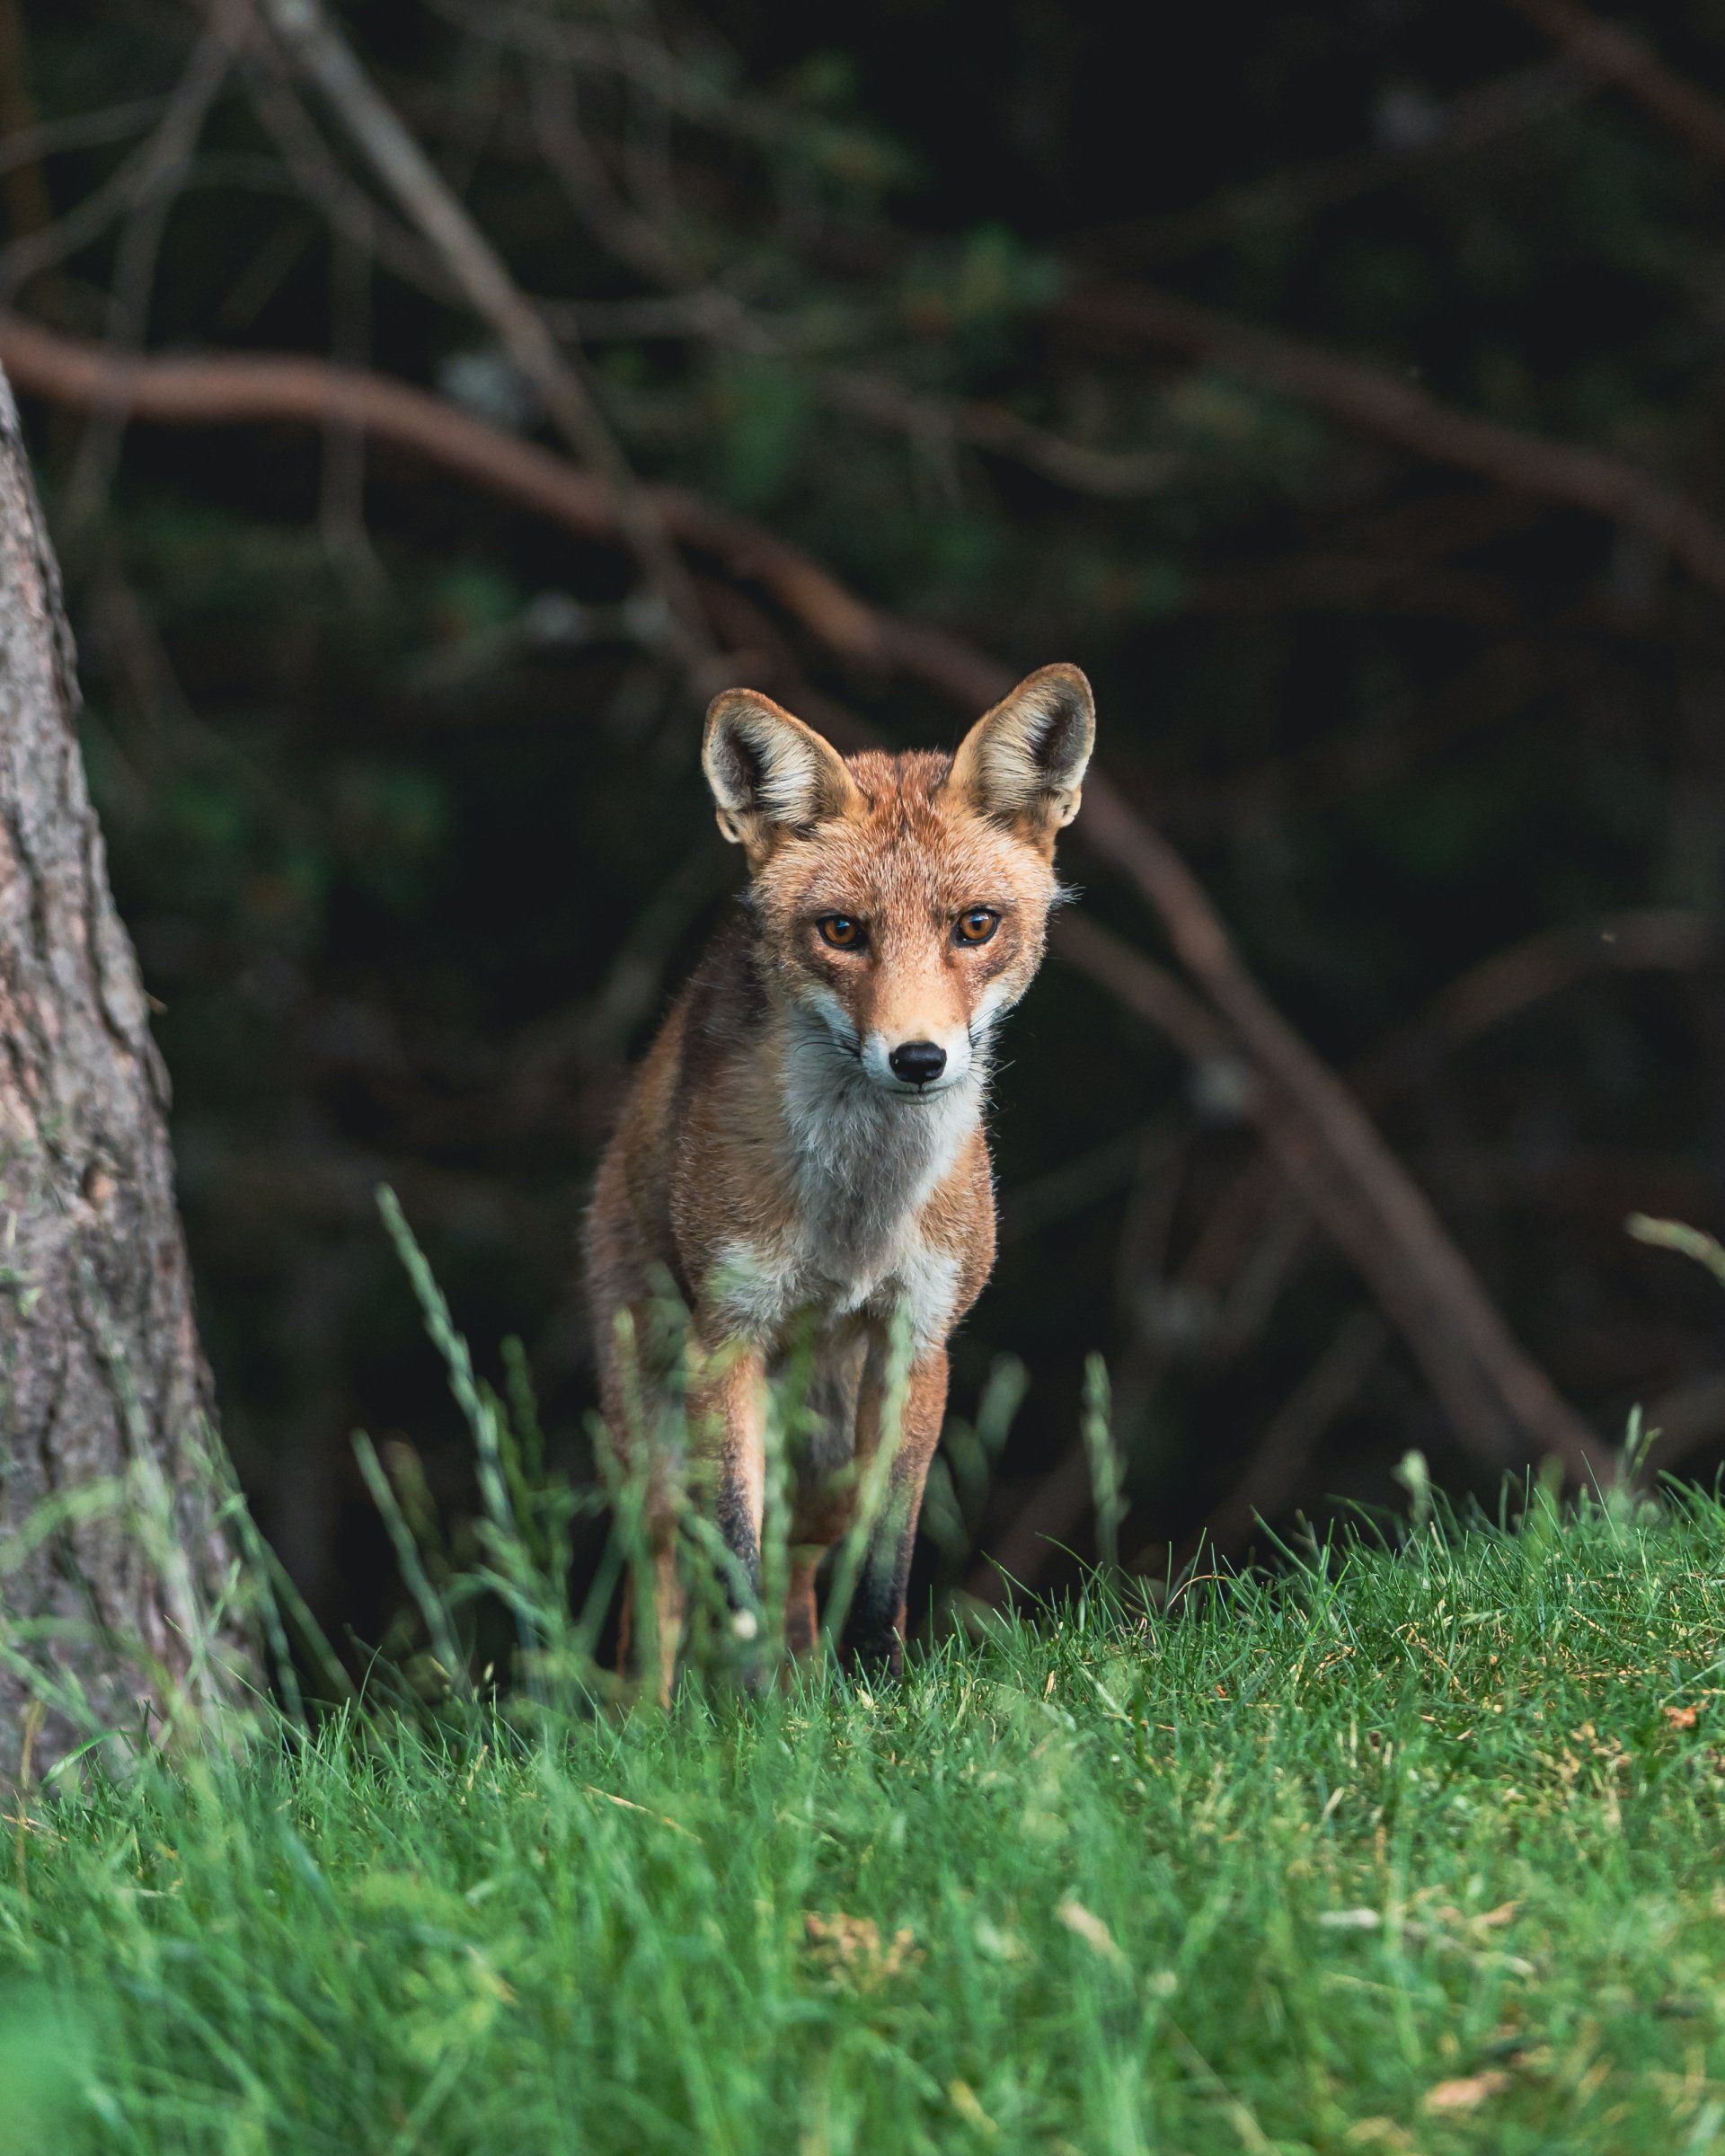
[[1500, 1403], [1510, 981], [1498, 1400], [1669, 939]]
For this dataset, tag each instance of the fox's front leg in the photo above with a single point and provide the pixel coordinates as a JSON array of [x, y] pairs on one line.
[[728, 1435], [874, 1632]]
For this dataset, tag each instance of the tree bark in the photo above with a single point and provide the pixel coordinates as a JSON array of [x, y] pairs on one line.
[[113, 1552]]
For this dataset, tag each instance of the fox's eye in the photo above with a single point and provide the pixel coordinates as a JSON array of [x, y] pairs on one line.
[[978, 925], [842, 932]]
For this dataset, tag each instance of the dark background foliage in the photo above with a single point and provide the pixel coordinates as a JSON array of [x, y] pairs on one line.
[[400, 781]]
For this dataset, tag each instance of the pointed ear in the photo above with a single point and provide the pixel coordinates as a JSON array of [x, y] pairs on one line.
[[770, 774], [1023, 763]]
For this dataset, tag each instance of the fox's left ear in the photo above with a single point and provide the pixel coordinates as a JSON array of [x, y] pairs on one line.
[[1023, 763]]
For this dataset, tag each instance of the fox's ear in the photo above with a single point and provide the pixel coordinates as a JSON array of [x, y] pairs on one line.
[[769, 772], [1023, 763]]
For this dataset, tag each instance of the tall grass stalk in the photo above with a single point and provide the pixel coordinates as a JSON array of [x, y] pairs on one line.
[[1100, 1451]]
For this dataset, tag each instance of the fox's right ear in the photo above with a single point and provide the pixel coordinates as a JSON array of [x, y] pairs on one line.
[[770, 774]]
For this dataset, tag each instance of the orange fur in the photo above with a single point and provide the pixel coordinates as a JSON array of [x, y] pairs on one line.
[[802, 1151]]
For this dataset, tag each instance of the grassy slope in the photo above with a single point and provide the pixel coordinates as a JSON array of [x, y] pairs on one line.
[[1266, 1876]]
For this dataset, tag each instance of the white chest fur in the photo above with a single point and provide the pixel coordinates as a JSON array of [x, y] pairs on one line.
[[861, 1166]]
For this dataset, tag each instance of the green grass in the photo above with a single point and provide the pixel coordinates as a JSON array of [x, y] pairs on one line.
[[1410, 1850]]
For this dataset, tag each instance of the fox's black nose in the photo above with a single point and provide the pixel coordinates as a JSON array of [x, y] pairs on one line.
[[917, 1062]]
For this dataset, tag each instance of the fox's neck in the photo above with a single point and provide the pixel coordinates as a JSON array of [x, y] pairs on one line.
[[862, 1162]]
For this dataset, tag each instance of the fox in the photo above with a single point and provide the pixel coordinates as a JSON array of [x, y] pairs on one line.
[[802, 1154]]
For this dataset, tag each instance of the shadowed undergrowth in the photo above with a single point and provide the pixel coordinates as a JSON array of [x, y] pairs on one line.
[[1411, 1848]]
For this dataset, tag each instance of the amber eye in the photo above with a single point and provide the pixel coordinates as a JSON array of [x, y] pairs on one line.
[[978, 925], [842, 932]]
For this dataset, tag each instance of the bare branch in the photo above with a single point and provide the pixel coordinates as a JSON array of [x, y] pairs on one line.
[[702, 95], [1613, 54], [1645, 939], [1375, 402], [1500, 988], [156, 165], [428, 202], [1496, 1399], [1499, 1402], [636, 241], [236, 389], [159, 181], [1116, 474], [350, 212], [1471, 121], [710, 312], [77, 132]]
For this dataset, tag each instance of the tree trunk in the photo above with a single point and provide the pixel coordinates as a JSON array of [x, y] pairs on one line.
[[112, 1548]]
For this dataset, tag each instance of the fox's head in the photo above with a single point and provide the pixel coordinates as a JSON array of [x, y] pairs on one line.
[[903, 899]]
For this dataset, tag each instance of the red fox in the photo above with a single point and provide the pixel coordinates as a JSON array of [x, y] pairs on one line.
[[802, 1151]]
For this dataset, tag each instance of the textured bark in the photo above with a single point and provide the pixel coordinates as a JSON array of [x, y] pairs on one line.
[[105, 1437]]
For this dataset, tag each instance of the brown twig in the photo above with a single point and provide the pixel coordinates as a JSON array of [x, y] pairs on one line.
[[161, 177], [1471, 121], [351, 212], [1500, 1403], [1611, 53], [237, 389], [1500, 988], [22, 186], [1115, 474], [1377, 402], [156, 166], [427, 201]]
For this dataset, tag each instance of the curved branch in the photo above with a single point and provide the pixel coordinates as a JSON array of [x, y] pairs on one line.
[[1613, 54], [425, 198], [1375, 402], [1499, 1401], [1471, 121], [242, 390]]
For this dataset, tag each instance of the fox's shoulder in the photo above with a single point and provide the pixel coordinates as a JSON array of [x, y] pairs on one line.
[[721, 1011], [724, 1006]]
